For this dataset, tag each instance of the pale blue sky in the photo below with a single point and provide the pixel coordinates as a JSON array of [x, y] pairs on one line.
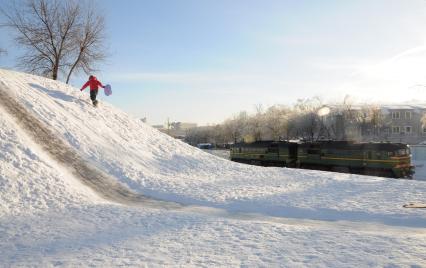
[[203, 61]]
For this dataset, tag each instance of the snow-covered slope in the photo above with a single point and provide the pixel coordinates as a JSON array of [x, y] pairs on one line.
[[155, 164], [36, 188]]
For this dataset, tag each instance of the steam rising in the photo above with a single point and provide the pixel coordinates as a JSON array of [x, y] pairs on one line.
[[323, 111]]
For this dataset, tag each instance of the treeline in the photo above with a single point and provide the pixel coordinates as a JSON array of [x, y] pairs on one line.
[[308, 119]]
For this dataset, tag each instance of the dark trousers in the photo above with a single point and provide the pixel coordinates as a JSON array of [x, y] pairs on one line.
[[93, 94]]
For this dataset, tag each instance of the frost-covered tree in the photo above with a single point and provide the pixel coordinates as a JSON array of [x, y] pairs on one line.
[[255, 124], [307, 123], [276, 122], [307, 119], [235, 128], [371, 121]]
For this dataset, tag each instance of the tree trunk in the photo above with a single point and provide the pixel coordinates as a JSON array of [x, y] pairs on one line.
[[55, 69], [55, 73]]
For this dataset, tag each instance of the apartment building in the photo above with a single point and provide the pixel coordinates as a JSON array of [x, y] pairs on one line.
[[403, 123], [393, 123], [175, 129]]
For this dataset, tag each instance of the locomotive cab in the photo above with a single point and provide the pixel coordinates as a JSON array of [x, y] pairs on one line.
[[401, 158]]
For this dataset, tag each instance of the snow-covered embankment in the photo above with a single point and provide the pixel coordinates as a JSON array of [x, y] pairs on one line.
[[38, 192]]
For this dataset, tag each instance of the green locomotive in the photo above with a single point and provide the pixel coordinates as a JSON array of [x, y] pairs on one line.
[[379, 159]]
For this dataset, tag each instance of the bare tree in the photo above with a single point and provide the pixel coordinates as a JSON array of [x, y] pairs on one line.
[[352, 119], [277, 122], [234, 128], [57, 36], [255, 124], [197, 135], [2, 51], [90, 43], [307, 122], [371, 122], [44, 28], [333, 124], [219, 137]]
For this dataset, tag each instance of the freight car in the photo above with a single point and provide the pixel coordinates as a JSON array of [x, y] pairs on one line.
[[379, 159]]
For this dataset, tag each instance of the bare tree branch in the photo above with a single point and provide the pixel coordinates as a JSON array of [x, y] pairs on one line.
[[90, 40]]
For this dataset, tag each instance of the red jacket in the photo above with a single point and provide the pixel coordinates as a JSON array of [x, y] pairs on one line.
[[94, 84]]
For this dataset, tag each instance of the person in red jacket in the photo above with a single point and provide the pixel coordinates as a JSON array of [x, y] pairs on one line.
[[94, 84]]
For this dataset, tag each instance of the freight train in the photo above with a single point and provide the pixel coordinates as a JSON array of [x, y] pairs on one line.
[[378, 159]]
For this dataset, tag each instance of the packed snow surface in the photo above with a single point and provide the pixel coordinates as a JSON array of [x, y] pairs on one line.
[[227, 214]]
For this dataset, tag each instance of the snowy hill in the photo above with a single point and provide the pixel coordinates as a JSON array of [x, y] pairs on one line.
[[93, 186]]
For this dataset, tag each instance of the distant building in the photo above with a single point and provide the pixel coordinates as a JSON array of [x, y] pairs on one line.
[[159, 127], [186, 126], [176, 129], [393, 123], [404, 123]]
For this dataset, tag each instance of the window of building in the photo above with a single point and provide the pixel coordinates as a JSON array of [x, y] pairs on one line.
[[408, 129], [424, 130], [395, 130], [395, 115], [407, 115]]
